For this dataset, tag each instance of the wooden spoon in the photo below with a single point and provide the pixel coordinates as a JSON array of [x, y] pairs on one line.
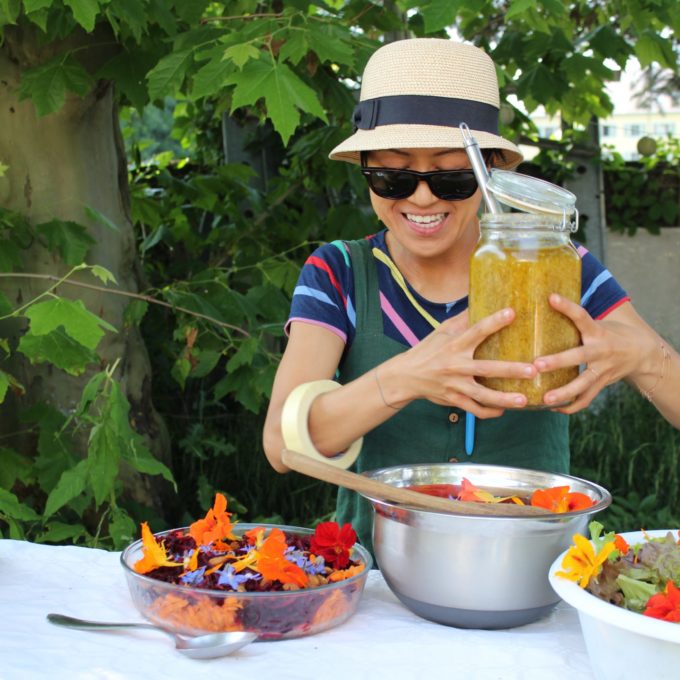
[[372, 488]]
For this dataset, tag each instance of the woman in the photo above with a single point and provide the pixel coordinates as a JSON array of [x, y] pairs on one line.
[[388, 315]]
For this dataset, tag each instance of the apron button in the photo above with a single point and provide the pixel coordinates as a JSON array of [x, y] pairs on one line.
[[453, 460], [454, 418]]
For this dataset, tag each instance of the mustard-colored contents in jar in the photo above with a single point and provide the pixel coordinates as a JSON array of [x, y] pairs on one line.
[[520, 270]]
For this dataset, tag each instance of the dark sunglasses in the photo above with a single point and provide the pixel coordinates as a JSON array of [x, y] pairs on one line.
[[449, 185]]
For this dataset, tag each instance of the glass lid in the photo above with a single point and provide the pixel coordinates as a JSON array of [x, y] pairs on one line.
[[531, 194]]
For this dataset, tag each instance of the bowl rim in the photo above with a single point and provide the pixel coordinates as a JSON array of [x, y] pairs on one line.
[[239, 527], [590, 605], [603, 503]]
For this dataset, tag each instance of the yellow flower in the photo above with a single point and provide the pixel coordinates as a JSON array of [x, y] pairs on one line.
[[154, 554], [581, 563]]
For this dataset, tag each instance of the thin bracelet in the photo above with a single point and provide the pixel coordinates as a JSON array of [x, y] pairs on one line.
[[382, 396], [647, 394]]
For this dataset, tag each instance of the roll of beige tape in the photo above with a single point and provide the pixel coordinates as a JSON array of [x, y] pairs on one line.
[[295, 429]]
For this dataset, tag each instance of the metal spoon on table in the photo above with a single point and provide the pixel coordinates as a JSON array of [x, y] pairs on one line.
[[209, 646]]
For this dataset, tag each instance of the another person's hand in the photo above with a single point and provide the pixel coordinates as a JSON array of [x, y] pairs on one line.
[[610, 351], [441, 368]]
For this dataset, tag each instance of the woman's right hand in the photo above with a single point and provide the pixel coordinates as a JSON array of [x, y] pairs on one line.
[[442, 369]]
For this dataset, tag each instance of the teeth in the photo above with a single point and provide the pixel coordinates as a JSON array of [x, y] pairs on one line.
[[425, 219]]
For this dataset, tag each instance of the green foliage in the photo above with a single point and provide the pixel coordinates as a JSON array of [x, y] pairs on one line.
[[623, 444], [645, 193]]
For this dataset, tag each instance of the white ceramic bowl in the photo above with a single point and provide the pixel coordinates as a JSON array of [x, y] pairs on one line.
[[622, 644]]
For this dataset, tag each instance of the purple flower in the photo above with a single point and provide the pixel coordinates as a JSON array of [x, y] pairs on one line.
[[228, 577], [193, 578]]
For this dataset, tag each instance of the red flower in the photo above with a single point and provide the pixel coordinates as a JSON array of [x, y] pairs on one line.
[[560, 499], [333, 543], [665, 605], [621, 544]]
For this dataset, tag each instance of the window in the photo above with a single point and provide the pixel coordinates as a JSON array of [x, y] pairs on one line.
[[663, 129], [609, 130], [634, 130]]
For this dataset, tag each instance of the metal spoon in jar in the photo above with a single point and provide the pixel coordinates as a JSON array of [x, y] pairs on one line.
[[209, 646]]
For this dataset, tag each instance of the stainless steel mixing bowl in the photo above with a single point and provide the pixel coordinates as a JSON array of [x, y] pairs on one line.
[[475, 571]]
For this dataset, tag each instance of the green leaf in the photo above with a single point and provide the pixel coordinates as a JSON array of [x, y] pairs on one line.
[[651, 47], [244, 355], [328, 44], [283, 91], [90, 393], [122, 528], [518, 7], [70, 485], [69, 239], [4, 385], [131, 14], [10, 256], [57, 348], [78, 322], [134, 312], [438, 15], [13, 467], [47, 84], [84, 12], [166, 77], [103, 455], [103, 274], [209, 79], [35, 5], [294, 48], [100, 218], [141, 460], [10, 506], [241, 53], [9, 12], [180, 371], [207, 360], [59, 532]]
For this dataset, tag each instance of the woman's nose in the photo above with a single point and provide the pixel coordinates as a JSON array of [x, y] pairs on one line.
[[423, 194]]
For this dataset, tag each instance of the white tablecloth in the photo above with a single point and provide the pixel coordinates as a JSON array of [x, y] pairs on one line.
[[382, 640]]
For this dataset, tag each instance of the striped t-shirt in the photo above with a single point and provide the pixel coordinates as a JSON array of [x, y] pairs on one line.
[[325, 294]]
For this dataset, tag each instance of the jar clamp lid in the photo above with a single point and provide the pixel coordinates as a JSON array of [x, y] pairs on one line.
[[530, 194]]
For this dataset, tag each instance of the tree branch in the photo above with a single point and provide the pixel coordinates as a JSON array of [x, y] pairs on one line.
[[125, 293]]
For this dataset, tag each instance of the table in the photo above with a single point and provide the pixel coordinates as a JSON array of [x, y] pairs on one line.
[[383, 640]]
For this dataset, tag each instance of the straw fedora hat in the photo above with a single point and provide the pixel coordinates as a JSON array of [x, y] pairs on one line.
[[415, 93]]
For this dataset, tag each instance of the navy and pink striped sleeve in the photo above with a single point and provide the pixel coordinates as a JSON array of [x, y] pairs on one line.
[[600, 291], [323, 294]]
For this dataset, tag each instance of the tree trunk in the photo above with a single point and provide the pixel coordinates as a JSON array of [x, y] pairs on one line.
[[60, 164]]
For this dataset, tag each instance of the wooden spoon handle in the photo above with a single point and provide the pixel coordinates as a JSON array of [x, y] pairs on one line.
[[381, 491]]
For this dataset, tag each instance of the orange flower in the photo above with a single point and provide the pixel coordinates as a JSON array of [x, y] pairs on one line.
[[581, 562], [469, 492], [621, 544], [215, 526], [665, 605], [272, 562], [560, 499], [154, 554]]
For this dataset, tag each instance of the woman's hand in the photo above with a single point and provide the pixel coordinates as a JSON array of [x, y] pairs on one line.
[[611, 349], [441, 368]]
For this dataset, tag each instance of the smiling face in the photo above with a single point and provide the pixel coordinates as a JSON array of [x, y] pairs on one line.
[[422, 225]]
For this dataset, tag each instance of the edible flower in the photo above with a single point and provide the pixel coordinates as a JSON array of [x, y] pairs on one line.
[[272, 562], [154, 554], [228, 577], [560, 499], [215, 526], [665, 605], [621, 544], [333, 543], [581, 563], [470, 492]]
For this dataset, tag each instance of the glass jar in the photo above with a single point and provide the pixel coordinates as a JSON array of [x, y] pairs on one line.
[[520, 260]]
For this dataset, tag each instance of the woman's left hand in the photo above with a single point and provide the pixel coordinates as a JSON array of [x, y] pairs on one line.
[[611, 349]]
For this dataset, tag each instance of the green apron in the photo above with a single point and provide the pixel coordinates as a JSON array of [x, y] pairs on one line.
[[424, 432]]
